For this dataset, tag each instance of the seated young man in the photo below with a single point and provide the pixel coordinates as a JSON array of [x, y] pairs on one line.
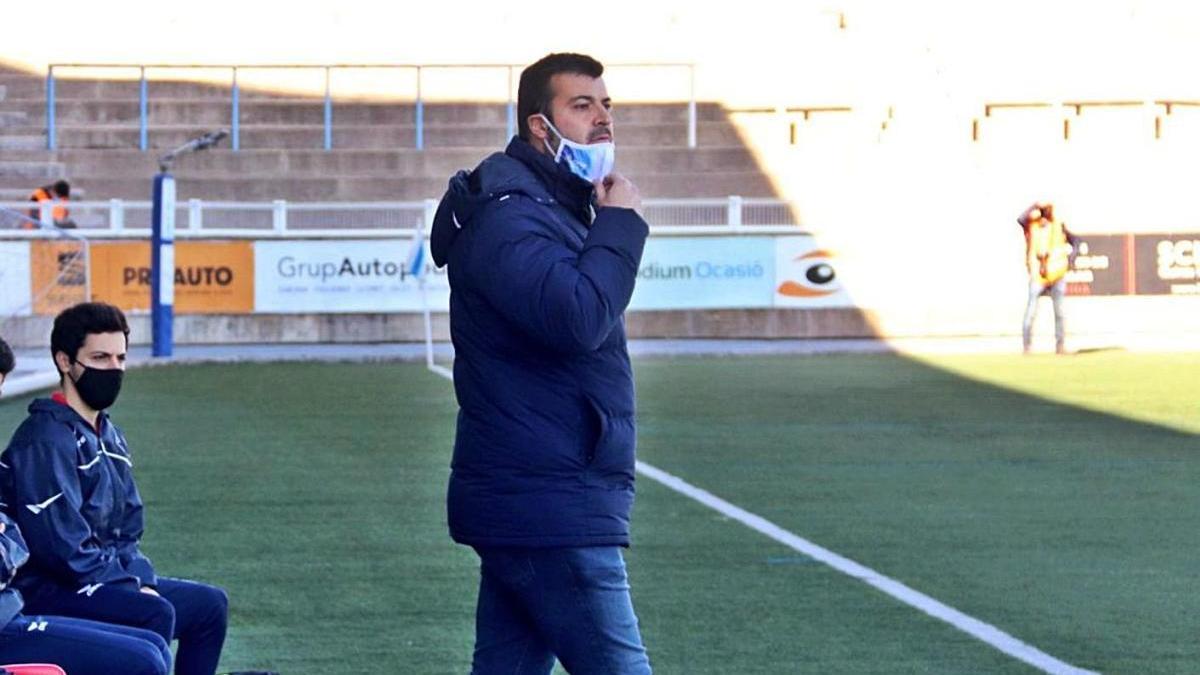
[[79, 646], [67, 480]]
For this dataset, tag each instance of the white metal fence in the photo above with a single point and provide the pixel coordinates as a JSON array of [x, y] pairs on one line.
[[197, 218]]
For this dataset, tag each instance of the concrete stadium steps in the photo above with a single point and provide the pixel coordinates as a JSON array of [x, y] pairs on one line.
[[10, 194], [21, 142], [363, 187], [15, 194], [31, 171], [13, 118], [437, 135], [161, 110], [282, 139], [396, 162], [28, 86], [375, 188], [24, 85]]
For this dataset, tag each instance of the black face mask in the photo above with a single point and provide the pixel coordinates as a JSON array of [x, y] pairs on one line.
[[99, 388]]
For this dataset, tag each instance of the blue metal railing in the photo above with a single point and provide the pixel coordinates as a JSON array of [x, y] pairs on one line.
[[420, 115], [51, 131], [143, 113], [510, 127], [328, 110], [235, 116]]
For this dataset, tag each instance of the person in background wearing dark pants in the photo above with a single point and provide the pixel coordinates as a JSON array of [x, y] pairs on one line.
[[67, 479], [543, 243], [1049, 253]]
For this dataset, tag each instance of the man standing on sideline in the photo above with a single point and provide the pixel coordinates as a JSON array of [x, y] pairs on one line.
[[67, 479], [543, 243], [1049, 252]]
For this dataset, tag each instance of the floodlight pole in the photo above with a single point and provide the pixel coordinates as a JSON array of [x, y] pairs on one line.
[[162, 244]]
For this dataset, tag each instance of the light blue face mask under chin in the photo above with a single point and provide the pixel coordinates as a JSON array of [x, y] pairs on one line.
[[591, 162]]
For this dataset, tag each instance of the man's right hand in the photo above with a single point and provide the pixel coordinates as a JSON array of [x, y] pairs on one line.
[[617, 190]]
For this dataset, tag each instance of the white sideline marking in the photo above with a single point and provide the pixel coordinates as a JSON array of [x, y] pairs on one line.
[[938, 610], [967, 624], [443, 371]]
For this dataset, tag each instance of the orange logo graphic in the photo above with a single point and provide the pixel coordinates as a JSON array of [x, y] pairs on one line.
[[818, 278]]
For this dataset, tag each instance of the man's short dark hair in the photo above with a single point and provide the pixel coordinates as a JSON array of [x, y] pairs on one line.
[[7, 361], [74, 324], [62, 188], [534, 93]]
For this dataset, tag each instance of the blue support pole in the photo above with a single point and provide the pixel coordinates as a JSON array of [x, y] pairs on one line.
[[162, 265], [51, 133], [420, 114], [420, 125], [143, 115], [328, 112], [235, 136]]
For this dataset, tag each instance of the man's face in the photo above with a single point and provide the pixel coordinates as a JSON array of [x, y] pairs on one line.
[[581, 110], [102, 351]]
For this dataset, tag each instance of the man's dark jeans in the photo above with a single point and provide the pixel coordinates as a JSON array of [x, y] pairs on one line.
[[570, 603]]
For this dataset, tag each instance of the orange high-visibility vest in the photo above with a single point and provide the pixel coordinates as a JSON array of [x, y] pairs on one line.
[[1047, 251], [43, 194]]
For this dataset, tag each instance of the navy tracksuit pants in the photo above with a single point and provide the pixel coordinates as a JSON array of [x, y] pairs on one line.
[[84, 647], [196, 614]]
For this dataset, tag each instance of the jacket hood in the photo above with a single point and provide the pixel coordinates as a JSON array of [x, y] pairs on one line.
[[519, 169], [62, 413]]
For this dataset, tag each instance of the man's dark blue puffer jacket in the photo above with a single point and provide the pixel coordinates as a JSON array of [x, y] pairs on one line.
[[539, 279]]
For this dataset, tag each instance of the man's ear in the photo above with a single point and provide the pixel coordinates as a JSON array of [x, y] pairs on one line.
[[62, 361], [538, 127]]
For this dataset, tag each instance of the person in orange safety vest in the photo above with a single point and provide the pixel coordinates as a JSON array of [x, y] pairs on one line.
[[1050, 250], [59, 194]]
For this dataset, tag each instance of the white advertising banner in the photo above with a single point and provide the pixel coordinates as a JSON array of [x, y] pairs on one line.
[[705, 273], [332, 276], [747, 272], [15, 292]]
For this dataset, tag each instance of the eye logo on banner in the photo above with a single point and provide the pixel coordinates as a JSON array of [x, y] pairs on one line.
[[817, 277], [807, 275]]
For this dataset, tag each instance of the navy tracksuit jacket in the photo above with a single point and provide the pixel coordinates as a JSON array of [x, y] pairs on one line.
[[71, 490]]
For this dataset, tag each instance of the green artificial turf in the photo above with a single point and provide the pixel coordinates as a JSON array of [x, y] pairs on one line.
[[1054, 498]]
